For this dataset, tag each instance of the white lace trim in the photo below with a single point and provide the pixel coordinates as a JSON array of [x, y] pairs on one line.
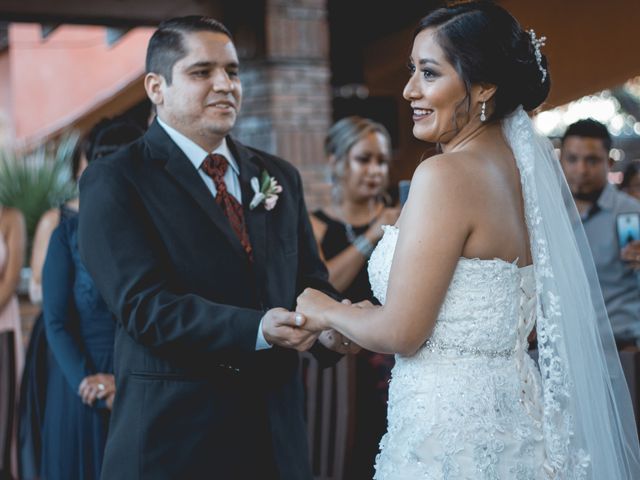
[[558, 425]]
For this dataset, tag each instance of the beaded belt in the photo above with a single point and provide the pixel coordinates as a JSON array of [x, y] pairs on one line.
[[462, 350]]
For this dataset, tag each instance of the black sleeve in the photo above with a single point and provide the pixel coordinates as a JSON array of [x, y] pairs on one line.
[[313, 273]]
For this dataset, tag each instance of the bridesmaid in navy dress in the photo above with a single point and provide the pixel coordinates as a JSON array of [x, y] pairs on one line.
[[33, 388], [80, 332]]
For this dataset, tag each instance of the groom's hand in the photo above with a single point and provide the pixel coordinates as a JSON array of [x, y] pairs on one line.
[[283, 328]]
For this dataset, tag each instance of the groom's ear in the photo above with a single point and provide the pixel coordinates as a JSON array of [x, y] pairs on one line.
[[153, 84]]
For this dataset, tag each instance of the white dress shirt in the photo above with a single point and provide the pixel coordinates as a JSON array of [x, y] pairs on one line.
[[196, 155]]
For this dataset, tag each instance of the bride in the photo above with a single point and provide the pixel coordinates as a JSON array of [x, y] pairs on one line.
[[488, 245]]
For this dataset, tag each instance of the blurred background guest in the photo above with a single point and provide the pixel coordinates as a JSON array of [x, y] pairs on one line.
[[12, 245], [585, 160], [358, 151], [34, 381], [631, 180], [80, 332]]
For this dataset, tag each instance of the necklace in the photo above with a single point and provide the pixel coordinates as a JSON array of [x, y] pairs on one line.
[[351, 235], [349, 229]]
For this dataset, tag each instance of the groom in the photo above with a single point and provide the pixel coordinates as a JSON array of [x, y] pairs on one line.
[[200, 278]]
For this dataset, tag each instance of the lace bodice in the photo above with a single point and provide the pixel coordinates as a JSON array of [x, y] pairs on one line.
[[468, 403], [485, 303]]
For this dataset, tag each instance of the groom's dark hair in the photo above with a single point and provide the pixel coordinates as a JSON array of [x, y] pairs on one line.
[[166, 45]]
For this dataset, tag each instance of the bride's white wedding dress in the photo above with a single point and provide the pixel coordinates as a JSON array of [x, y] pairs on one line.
[[471, 404], [468, 404]]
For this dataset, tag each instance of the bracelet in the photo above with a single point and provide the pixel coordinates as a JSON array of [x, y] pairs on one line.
[[363, 245]]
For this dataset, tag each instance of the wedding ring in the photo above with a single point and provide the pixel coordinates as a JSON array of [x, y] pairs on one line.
[[101, 386]]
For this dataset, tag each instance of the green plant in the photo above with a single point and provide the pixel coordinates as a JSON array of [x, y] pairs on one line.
[[38, 180]]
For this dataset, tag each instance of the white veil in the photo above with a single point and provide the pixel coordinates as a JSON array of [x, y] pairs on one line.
[[589, 426]]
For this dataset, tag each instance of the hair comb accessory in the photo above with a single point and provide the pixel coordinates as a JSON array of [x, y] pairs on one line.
[[537, 44]]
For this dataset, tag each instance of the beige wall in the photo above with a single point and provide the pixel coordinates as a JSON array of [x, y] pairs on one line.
[[56, 82], [591, 45]]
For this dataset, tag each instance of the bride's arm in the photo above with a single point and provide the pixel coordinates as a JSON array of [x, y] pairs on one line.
[[434, 226]]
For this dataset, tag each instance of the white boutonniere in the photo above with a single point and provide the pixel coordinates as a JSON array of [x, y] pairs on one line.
[[266, 190]]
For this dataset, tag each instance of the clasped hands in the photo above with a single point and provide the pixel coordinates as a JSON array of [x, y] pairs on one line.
[[299, 330], [97, 387]]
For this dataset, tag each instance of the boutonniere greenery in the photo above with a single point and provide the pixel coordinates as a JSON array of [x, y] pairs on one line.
[[266, 191]]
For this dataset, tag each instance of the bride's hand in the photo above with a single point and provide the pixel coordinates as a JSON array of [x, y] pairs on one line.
[[313, 304]]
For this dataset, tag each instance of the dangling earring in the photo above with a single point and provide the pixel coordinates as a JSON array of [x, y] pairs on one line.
[[483, 112]]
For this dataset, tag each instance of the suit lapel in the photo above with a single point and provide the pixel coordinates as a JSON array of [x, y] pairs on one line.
[[181, 169], [256, 220]]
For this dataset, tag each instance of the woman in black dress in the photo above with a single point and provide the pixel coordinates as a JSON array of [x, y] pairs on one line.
[[358, 150]]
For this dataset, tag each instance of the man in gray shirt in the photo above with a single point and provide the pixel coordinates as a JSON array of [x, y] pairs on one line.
[[585, 160]]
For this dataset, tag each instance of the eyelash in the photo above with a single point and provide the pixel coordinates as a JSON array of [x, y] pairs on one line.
[[205, 73], [427, 73], [368, 159]]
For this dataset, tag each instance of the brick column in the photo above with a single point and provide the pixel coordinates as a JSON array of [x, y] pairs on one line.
[[287, 92]]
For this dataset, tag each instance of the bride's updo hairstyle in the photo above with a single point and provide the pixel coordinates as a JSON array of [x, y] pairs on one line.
[[485, 44]]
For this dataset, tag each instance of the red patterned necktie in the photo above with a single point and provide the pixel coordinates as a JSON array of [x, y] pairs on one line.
[[216, 166]]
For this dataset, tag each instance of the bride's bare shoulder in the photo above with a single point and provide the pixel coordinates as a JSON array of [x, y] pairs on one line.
[[442, 190], [448, 170]]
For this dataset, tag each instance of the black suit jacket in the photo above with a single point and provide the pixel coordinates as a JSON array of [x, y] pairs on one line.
[[194, 399]]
